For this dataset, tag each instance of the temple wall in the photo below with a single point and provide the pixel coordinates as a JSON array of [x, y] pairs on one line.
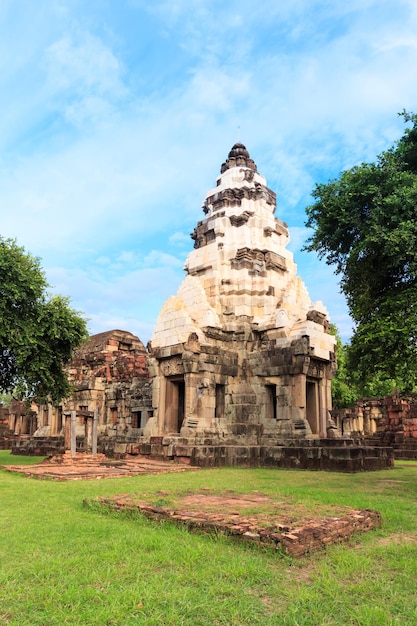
[[387, 421]]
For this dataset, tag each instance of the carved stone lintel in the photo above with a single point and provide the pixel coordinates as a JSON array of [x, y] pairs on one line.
[[316, 369], [173, 366]]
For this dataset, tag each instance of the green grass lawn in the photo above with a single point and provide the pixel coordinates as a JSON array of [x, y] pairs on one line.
[[62, 563], [6, 458]]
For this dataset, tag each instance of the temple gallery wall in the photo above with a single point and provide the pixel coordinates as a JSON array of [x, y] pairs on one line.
[[239, 366]]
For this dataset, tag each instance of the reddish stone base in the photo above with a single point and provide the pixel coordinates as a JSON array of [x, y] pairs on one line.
[[87, 466], [293, 537]]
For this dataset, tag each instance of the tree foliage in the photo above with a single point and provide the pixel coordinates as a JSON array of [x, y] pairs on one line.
[[348, 385], [38, 333], [344, 391], [365, 223]]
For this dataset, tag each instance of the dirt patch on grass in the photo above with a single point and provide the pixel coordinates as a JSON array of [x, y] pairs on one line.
[[254, 504], [226, 500], [387, 481], [283, 525], [397, 538]]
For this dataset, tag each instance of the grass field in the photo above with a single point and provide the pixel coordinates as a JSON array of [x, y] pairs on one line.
[[64, 564]]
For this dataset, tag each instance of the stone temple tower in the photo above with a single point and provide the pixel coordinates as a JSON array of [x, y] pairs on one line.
[[240, 356]]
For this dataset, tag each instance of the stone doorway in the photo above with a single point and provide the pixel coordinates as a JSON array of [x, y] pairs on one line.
[[312, 406], [175, 404]]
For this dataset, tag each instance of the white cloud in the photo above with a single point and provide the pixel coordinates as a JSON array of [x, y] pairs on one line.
[[88, 110], [298, 237], [86, 63], [156, 258], [180, 239], [85, 76]]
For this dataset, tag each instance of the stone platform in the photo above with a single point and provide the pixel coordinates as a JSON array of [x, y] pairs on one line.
[[86, 466], [282, 526], [341, 455]]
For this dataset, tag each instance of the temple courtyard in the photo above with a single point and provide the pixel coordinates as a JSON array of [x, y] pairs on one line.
[[68, 557], [267, 522]]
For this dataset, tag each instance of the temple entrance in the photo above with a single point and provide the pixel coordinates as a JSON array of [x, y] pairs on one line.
[[28, 424], [312, 406], [175, 404], [89, 421]]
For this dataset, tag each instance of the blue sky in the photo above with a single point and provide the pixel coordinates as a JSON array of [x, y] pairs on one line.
[[117, 114]]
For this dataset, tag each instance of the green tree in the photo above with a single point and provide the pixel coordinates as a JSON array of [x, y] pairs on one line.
[[347, 385], [38, 333], [344, 391], [365, 223]]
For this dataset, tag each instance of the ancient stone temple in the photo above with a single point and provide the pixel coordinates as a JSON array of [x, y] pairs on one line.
[[241, 354], [239, 367], [112, 391]]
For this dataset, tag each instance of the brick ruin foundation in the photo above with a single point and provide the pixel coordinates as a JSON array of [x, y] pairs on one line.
[[239, 367], [295, 537]]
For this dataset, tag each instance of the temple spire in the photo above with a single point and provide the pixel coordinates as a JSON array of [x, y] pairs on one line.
[[238, 157]]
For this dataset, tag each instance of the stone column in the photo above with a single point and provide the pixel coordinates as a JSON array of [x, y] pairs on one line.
[[323, 408], [284, 411], [94, 443], [299, 399], [67, 430], [161, 408], [366, 421], [73, 434], [87, 433]]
